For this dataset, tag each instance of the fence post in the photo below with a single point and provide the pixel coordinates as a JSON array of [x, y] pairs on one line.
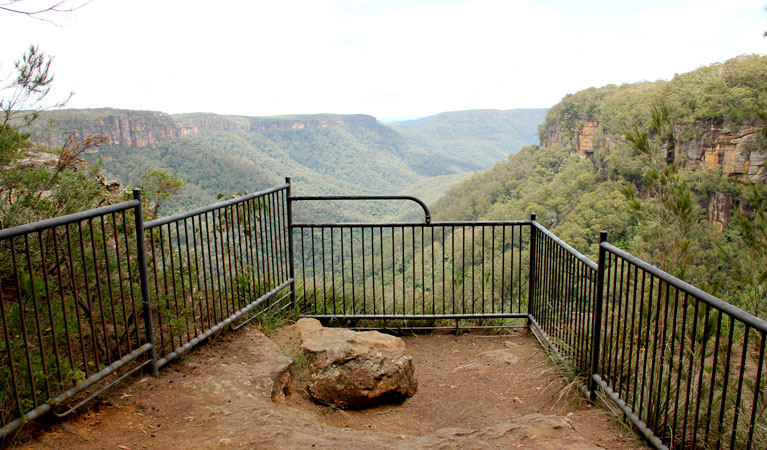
[[596, 328], [531, 277], [291, 251], [143, 277]]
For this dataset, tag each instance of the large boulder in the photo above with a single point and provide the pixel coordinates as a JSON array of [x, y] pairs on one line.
[[352, 369]]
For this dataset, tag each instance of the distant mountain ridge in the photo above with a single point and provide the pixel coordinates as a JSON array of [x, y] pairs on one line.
[[477, 138], [137, 128], [324, 153]]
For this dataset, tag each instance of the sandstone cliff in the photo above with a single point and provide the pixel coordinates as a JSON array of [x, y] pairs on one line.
[[309, 121], [188, 124], [128, 128], [737, 152]]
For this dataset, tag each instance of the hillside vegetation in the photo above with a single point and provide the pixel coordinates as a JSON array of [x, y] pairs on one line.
[[323, 153], [673, 170], [463, 141]]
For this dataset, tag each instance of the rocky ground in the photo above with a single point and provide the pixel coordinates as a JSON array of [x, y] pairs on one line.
[[474, 392]]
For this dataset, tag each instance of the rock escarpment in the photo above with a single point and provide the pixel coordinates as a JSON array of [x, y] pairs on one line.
[[130, 128], [737, 152]]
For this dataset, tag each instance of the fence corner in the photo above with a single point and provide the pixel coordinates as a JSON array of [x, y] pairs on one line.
[[291, 250], [597, 323], [531, 280], [144, 279]]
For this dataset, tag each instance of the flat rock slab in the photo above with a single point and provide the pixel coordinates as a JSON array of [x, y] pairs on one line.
[[353, 369], [532, 432], [501, 355], [270, 374]]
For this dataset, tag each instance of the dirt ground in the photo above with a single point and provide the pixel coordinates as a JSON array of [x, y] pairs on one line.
[[206, 399]]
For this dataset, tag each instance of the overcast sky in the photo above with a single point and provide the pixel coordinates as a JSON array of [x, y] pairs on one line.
[[392, 59]]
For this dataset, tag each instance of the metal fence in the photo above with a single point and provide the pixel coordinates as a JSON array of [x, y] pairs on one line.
[[90, 298], [678, 361], [685, 368], [417, 272], [95, 296], [562, 292], [211, 266], [71, 307]]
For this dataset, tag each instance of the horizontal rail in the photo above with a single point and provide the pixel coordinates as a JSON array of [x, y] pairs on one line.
[[737, 313], [418, 316], [212, 207], [67, 219], [565, 245], [219, 326], [105, 388], [425, 208], [626, 409], [452, 223], [88, 382]]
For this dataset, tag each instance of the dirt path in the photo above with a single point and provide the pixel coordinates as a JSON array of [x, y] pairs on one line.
[[473, 392]]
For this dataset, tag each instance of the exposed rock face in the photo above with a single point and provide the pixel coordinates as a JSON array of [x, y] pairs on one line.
[[533, 431], [737, 152], [584, 143], [34, 158], [207, 124], [353, 369], [130, 131], [129, 128]]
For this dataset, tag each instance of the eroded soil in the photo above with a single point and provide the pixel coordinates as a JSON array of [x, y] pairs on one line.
[[473, 392]]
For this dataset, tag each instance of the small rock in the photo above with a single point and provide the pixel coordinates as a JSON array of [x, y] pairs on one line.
[[469, 366], [502, 355]]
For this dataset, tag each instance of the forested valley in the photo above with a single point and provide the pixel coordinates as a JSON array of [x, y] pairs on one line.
[[323, 153], [674, 171]]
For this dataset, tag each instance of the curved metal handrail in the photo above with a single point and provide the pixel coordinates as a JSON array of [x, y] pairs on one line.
[[425, 208]]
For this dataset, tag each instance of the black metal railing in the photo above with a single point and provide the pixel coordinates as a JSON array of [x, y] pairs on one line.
[[446, 270], [411, 271], [684, 367], [71, 307], [563, 288], [97, 295], [90, 298], [677, 360], [210, 266]]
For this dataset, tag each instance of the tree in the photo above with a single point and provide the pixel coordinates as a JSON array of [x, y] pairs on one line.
[[158, 185], [44, 12], [28, 86], [668, 213], [58, 182], [746, 256]]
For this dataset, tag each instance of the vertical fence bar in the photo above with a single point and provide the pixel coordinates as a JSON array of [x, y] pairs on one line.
[[138, 216], [597, 324], [291, 251], [531, 280]]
